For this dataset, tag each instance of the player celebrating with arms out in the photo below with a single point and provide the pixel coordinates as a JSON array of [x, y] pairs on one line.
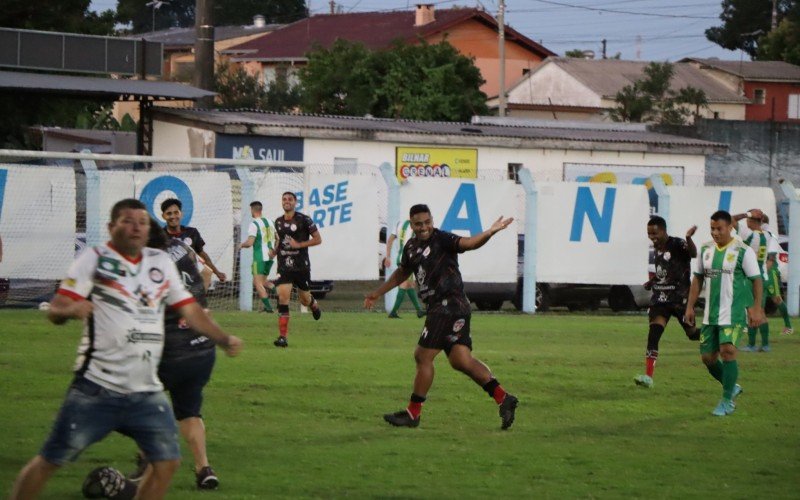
[[670, 289], [432, 255], [296, 232], [724, 266]]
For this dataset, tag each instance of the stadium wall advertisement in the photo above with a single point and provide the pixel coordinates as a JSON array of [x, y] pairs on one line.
[[592, 233], [206, 198], [37, 221], [425, 161], [468, 207]]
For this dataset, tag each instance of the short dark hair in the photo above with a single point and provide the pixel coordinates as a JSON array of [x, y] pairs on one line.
[[765, 218], [256, 204], [157, 237], [169, 202], [722, 215], [418, 209], [125, 204], [658, 222], [290, 194]]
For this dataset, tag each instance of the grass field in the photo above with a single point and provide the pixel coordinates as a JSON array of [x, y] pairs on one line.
[[306, 421]]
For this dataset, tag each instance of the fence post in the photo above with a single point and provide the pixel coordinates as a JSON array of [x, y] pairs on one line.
[[93, 225], [793, 285], [392, 218], [663, 196], [529, 257], [246, 257]]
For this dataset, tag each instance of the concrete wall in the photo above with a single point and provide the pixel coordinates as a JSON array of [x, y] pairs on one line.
[[550, 84]]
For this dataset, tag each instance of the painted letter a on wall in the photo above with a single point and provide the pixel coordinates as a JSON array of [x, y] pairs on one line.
[[465, 198], [586, 208]]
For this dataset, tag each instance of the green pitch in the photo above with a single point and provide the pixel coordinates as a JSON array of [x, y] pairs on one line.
[[306, 421]]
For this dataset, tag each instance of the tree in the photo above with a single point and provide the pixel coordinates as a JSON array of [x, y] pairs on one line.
[[782, 43], [72, 16], [744, 21], [575, 53], [281, 95], [236, 88]]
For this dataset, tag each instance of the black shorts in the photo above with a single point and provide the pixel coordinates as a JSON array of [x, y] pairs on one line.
[[184, 379], [443, 331], [667, 309], [300, 278]]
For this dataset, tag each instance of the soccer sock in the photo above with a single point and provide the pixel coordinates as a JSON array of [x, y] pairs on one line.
[[415, 405], [401, 293], [283, 319], [751, 336], [764, 329], [314, 306], [267, 305], [494, 390], [653, 337], [412, 295], [730, 372], [716, 370], [787, 322]]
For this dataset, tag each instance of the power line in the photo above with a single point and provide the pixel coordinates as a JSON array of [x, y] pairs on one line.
[[616, 11]]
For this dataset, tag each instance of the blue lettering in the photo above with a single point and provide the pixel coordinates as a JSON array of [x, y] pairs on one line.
[[467, 198], [725, 200], [176, 188], [300, 198], [341, 191], [3, 177], [347, 212], [313, 199], [319, 218], [332, 210], [585, 207], [328, 194]]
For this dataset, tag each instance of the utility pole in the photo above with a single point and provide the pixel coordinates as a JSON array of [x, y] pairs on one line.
[[774, 14], [604, 47], [332, 3], [204, 50], [501, 27]]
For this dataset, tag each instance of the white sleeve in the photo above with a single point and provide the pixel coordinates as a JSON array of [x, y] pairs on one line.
[[80, 276], [252, 229], [772, 245], [177, 294], [698, 263], [750, 264], [398, 228], [743, 230]]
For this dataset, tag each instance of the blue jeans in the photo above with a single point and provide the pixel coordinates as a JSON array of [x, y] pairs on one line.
[[91, 412]]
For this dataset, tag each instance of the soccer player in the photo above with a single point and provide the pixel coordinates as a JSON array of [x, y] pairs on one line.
[[172, 212], [724, 267], [670, 287], [432, 255], [116, 387], [261, 237], [402, 233], [751, 234], [296, 232], [773, 288]]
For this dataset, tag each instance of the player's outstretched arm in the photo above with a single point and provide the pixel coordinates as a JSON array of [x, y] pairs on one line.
[[477, 241], [64, 308], [201, 322], [398, 276], [691, 247]]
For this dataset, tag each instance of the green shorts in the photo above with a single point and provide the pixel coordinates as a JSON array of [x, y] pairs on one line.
[[773, 283], [712, 336], [262, 268]]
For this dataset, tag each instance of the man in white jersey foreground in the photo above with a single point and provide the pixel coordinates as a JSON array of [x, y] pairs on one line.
[[724, 267], [120, 290], [261, 237]]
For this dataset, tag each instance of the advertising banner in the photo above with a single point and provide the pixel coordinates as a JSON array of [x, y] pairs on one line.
[[37, 221], [426, 161]]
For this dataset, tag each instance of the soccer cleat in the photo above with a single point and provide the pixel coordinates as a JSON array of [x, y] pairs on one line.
[[206, 479], [507, 409], [316, 313], [281, 342], [737, 389], [724, 408], [765, 348], [393, 315], [787, 331], [141, 466], [644, 381], [749, 348], [107, 482], [422, 313], [694, 336], [401, 419]]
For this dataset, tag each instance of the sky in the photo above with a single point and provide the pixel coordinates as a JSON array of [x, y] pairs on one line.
[[653, 30]]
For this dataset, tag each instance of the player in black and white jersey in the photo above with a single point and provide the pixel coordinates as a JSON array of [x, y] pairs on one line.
[[120, 291], [172, 212], [670, 286], [432, 255], [296, 232]]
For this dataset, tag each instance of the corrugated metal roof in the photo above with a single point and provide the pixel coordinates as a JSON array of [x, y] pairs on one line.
[[376, 30], [754, 70], [606, 77], [183, 37], [86, 86], [280, 125]]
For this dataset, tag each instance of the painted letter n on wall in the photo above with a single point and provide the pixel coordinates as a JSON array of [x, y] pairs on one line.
[[586, 208]]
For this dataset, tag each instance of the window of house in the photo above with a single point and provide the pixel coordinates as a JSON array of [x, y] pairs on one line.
[[759, 96], [794, 106], [345, 166], [513, 171]]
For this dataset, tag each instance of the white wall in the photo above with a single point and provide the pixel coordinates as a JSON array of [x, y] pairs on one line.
[[550, 84], [170, 139]]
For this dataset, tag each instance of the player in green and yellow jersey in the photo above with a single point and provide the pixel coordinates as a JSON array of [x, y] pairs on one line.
[[402, 233], [726, 268], [261, 236]]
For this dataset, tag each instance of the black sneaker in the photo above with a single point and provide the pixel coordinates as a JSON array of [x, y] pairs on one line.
[[206, 479], [394, 315], [317, 313], [281, 342], [695, 335], [107, 482], [141, 465], [507, 409], [422, 313], [401, 419]]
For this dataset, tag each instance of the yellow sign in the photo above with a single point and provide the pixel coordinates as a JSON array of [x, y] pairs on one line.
[[436, 162]]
